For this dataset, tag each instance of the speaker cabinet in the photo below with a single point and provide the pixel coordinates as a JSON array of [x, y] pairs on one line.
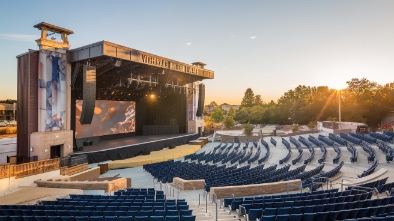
[[201, 100], [89, 94]]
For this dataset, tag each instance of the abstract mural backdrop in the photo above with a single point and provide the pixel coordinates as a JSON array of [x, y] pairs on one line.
[[110, 117], [52, 91]]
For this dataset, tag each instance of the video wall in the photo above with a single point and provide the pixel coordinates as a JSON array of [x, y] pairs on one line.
[[110, 117]]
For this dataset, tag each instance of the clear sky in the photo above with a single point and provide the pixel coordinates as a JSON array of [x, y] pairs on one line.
[[269, 46]]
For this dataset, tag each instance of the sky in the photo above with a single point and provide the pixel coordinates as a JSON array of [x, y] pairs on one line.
[[268, 46]]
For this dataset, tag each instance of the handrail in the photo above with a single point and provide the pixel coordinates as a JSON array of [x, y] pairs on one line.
[[240, 212], [374, 190], [214, 200], [326, 179]]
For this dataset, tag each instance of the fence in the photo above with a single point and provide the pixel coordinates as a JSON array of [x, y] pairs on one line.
[[37, 167]]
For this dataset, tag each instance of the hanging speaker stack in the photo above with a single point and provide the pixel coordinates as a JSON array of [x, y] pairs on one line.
[[89, 94], [201, 100]]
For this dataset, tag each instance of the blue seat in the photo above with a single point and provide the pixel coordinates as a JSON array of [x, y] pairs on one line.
[[372, 211], [16, 218], [282, 217], [296, 217], [188, 218], [353, 214], [332, 215], [156, 218], [172, 212], [255, 213], [146, 212], [43, 218], [270, 211], [53, 218], [309, 216], [362, 212], [68, 218], [110, 218], [283, 210], [81, 218], [172, 218], [141, 218], [320, 216], [159, 213], [297, 210], [343, 214], [125, 218], [268, 218], [185, 212]]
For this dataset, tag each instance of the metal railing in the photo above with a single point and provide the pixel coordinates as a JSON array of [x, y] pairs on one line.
[[362, 188], [214, 200]]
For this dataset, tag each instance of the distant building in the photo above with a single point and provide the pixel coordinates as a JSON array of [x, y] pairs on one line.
[[228, 107], [7, 111], [225, 107], [336, 127]]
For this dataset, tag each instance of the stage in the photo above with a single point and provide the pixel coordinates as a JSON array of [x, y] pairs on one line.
[[123, 148]]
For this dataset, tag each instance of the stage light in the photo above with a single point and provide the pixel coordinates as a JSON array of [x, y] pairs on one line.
[[152, 96], [118, 63]]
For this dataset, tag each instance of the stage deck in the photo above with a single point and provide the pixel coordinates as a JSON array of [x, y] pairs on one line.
[[126, 141], [123, 148]]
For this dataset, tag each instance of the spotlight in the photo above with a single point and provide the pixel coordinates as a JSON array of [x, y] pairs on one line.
[[118, 63]]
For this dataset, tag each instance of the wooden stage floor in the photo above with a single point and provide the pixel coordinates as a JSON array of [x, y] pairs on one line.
[[126, 141]]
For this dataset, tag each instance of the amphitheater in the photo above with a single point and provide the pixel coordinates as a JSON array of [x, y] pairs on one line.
[[316, 176]]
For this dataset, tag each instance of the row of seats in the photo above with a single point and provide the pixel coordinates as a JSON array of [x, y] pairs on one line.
[[353, 151], [337, 139], [364, 137], [328, 174], [338, 150], [370, 169], [325, 140], [26, 212], [371, 151], [99, 218], [350, 139]]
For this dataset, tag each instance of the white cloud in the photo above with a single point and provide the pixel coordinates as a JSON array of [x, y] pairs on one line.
[[233, 36], [189, 43], [253, 37], [18, 37]]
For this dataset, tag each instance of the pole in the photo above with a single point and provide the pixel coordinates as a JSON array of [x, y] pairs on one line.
[[339, 108]]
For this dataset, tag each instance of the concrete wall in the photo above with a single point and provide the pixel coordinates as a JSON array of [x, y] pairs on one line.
[[10, 184], [188, 184], [41, 143], [256, 189], [107, 186]]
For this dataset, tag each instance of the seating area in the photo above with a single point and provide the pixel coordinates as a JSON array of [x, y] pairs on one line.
[[273, 141], [329, 174], [383, 137], [326, 140], [136, 204], [321, 205]]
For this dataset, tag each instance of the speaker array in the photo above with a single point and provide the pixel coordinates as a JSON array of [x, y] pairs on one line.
[[89, 94], [201, 100]]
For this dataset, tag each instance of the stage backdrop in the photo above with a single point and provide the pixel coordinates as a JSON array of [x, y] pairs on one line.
[[110, 117]]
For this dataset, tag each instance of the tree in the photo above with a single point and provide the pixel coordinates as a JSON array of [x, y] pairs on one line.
[[257, 100], [247, 129], [212, 104], [231, 112], [248, 99], [217, 115], [8, 101], [229, 122]]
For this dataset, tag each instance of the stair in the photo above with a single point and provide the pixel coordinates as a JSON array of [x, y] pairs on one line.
[[210, 215]]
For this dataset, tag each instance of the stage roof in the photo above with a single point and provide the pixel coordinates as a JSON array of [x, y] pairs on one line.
[[127, 74], [105, 48]]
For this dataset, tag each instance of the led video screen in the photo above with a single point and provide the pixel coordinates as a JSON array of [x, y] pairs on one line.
[[110, 117]]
